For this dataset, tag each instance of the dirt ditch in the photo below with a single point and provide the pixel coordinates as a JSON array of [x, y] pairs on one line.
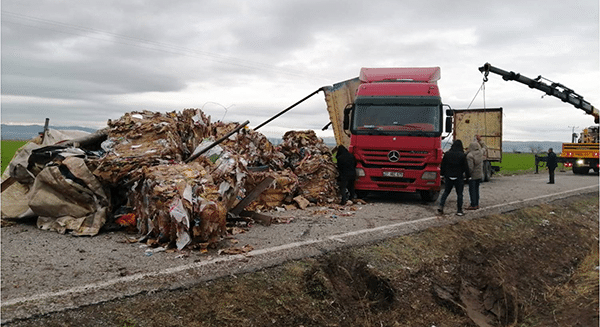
[[536, 266]]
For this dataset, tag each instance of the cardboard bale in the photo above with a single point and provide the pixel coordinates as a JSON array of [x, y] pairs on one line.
[[312, 163], [256, 149], [284, 187], [137, 140], [193, 126], [179, 204]]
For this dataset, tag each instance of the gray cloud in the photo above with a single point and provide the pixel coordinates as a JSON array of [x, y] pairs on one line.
[[88, 61]]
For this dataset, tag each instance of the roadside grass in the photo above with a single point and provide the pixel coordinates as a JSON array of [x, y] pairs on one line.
[[8, 149]]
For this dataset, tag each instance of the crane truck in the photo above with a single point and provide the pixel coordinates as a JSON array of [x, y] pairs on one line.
[[581, 155]]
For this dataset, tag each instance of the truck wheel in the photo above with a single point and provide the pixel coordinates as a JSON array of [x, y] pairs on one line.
[[362, 194], [429, 196], [487, 171]]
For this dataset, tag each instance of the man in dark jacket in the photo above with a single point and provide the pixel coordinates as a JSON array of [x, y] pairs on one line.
[[551, 163], [347, 168], [454, 169]]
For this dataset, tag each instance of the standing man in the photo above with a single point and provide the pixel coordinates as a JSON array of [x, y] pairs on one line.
[[475, 161], [551, 163], [454, 168], [347, 168]]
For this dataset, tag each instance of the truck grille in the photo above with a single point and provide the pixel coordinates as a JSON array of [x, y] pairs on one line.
[[414, 160]]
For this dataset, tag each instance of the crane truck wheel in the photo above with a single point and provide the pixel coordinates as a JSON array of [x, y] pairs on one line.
[[581, 170], [429, 196]]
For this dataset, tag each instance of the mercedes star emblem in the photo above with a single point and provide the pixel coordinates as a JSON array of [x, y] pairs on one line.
[[393, 155]]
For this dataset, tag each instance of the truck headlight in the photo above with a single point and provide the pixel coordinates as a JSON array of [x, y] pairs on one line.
[[360, 172], [580, 162], [429, 175]]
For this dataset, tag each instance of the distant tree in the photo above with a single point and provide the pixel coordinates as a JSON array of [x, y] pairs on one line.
[[535, 148]]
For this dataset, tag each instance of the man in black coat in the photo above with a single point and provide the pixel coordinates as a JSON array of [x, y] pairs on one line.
[[454, 169], [551, 163], [347, 168]]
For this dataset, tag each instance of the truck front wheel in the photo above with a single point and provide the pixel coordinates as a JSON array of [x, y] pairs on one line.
[[429, 196]]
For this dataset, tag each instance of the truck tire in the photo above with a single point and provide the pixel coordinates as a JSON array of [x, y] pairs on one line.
[[581, 170], [362, 194], [429, 196], [487, 171]]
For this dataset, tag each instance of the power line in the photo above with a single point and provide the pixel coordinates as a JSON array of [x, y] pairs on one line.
[[147, 44]]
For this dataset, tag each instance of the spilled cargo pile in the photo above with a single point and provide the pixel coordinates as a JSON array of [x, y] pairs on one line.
[[165, 176]]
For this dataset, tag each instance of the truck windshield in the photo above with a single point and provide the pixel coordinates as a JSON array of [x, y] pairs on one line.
[[418, 120]]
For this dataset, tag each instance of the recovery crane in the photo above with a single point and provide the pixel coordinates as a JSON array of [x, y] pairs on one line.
[[581, 155]]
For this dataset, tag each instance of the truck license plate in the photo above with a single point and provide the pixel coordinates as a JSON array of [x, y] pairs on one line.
[[393, 174]]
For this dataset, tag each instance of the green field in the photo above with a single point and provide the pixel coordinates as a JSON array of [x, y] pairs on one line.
[[516, 162], [8, 149]]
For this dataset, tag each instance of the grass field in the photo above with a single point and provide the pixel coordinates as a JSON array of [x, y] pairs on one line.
[[8, 149], [516, 162]]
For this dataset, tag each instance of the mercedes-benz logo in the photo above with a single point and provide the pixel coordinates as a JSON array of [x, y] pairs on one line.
[[393, 155]]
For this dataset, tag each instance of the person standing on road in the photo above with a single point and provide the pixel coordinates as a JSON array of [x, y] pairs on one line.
[[347, 169], [475, 162], [454, 168], [551, 163]]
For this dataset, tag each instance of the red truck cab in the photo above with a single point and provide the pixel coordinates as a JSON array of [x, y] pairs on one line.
[[395, 126]]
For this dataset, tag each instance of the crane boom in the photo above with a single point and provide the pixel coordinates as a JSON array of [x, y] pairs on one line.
[[554, 89]]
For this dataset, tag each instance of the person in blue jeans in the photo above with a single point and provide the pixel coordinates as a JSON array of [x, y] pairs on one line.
[[454, 168], [475, 162]]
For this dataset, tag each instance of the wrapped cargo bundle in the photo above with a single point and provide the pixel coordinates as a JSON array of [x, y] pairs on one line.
[[179, 204], [311, 161], [137, 140], [282, 190]]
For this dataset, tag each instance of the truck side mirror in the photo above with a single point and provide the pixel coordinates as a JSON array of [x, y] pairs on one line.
[[448, 124], [349, 108]]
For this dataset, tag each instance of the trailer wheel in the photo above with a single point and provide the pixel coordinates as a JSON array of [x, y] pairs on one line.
[[487, 171], [429, 196]]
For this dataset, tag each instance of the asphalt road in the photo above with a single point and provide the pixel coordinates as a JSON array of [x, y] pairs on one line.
[[44, 271]]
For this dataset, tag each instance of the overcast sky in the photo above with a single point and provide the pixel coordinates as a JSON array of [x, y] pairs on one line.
[[84, 62]]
